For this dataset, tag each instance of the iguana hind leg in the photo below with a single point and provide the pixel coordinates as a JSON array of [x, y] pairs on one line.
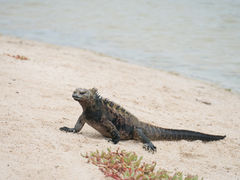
[[78, 126], [148, 145]]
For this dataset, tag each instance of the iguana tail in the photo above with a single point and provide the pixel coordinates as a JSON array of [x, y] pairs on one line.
[[157, 133]]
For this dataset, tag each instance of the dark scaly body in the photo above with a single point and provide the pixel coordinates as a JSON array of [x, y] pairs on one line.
[[114, 122]]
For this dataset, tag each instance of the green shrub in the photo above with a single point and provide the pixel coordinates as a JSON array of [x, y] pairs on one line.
[[121, 165]]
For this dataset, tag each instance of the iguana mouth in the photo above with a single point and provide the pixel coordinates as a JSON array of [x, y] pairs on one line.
[[75, 97]]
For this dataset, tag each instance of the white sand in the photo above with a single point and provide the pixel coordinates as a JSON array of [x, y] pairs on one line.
[[36, 101]]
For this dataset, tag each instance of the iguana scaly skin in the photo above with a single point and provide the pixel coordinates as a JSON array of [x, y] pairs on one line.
[[114, 122]]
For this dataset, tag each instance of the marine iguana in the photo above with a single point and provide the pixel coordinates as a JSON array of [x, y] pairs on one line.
[[114, 122]]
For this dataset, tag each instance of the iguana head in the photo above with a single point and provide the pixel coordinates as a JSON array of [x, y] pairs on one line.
[[84, 96]]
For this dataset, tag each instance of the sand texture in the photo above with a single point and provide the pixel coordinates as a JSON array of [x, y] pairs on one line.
[[35, 100]]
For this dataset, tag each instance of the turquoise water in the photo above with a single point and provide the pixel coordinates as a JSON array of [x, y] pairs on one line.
[[199, 38]]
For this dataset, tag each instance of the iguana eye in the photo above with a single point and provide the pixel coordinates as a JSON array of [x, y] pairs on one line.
[[82, 93]]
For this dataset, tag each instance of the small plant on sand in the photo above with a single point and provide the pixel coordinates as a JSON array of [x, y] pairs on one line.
[[121, 165], [18, 57]]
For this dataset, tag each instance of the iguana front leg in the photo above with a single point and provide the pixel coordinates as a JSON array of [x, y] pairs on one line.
[[78, 126], [139, 135], [111, 129]]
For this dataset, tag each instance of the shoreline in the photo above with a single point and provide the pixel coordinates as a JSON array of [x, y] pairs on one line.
[[209, 82], [37, 101]]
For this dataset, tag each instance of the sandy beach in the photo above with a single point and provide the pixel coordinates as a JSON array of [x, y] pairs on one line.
[[36, 100]]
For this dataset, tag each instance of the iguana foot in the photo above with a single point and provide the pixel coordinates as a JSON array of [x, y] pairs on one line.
[[115, 137], [114, 141], [66, 129], [150, 147]]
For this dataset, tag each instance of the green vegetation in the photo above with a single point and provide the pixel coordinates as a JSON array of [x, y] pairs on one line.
[[121, 165]]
